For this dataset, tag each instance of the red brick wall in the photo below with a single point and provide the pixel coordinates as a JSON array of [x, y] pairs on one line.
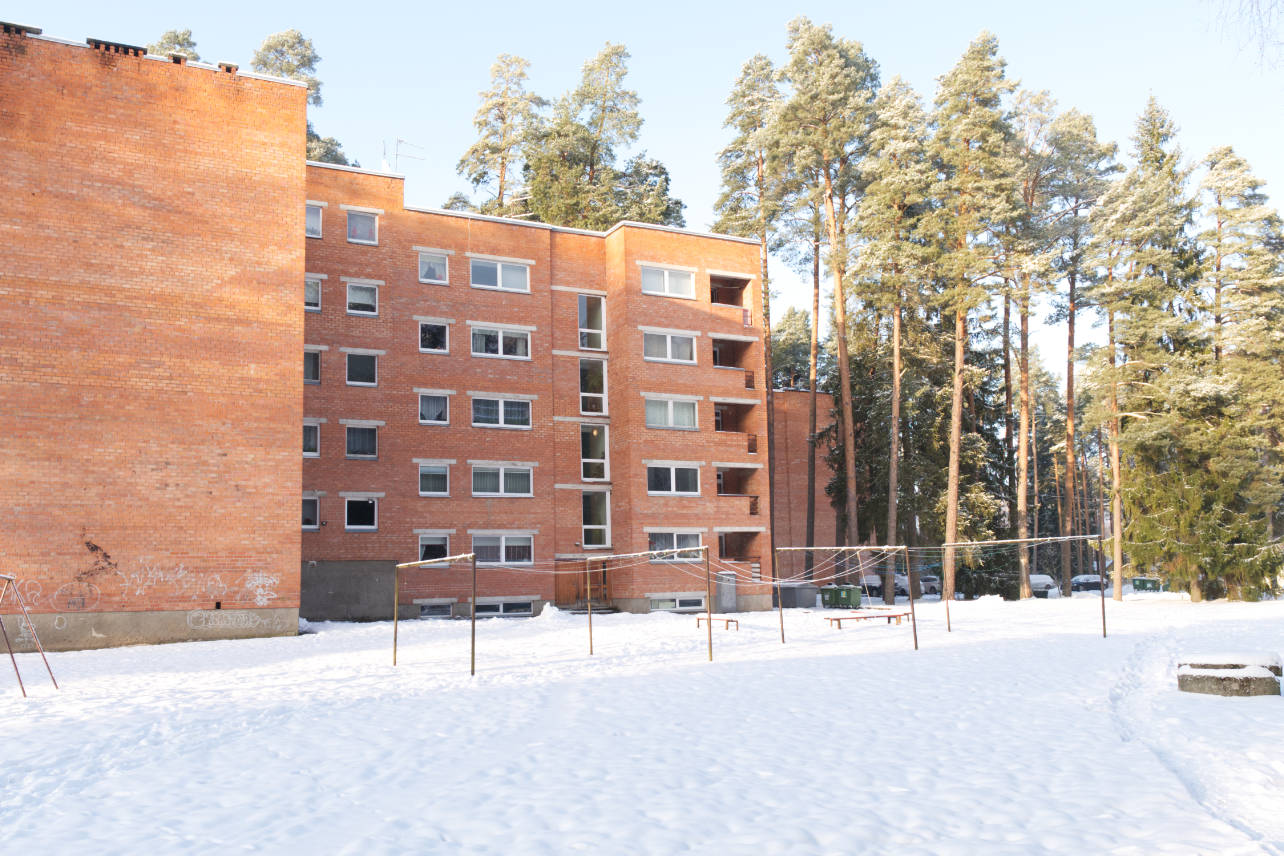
[[151, 256], [792, 421]]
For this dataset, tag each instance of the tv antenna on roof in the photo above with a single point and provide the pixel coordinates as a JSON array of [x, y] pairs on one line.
[[397, 155]]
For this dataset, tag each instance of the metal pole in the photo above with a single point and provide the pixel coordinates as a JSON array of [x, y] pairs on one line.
[[909, 584], [947, 610], [780, 592], [472, 655], [396, 596], [34, 636], [588, 599], [12, 658], [1102, 577], [708, 600]]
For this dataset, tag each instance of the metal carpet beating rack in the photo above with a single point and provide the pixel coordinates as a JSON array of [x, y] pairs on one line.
[[8, 582]]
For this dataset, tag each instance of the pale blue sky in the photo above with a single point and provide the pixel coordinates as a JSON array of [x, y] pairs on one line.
[[412, 70]]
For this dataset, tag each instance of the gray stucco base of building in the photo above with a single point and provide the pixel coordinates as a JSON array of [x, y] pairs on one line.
[[744, 603], [74, 631], [349, 591], [753, 602]]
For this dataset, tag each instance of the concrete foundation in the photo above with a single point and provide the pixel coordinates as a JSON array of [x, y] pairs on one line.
[[73, 631], [349, 591], [1229, 682]]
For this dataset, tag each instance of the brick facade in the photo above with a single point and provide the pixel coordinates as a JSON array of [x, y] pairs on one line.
[[151, 261], [792, 423]]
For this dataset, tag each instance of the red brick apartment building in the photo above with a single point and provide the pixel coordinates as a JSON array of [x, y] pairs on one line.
[[182, 297], [538, 395]]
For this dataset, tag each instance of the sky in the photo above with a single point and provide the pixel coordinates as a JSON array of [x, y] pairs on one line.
[[412, 71]]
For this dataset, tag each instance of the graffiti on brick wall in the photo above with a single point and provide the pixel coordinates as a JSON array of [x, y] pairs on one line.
[[75, 597], [261, 586], [223, 620]]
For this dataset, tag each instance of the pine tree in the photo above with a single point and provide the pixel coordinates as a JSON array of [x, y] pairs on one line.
[[791, 345], [288, 54], [895, 255], [977, 198], [178, 42], [504, 122], [824, 124]]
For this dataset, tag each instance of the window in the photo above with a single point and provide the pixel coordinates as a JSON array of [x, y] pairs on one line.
[[434, 409], [597, 517], [693, 602], [495, 342], [363, 227], [435, 610], [311, 441], [311, 512], [592, 322], [312, 295], [363, 299], [312, 221], [363, 370], [501, 481], [434, 480], [593, 452], [669, 413], [433, 338], [501, 413], [508, 607], [505, 549], [361, 514], [668, 282], [668, 347], [592, 386], [675, 541], [363, 442], [505, 276], [433, 268], [434, 547], [678, 481], [311, 366]]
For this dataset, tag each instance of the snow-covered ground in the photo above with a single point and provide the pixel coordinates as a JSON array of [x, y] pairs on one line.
[[1021, 732]]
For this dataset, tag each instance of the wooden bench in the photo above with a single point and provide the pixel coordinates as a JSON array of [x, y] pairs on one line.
[[726, 622], [837, 620]]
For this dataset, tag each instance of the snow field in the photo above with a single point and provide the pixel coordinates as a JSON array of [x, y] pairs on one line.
[[1023, 731]]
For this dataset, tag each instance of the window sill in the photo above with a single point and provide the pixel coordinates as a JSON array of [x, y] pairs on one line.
[[363, 243], [307, 235], [501, 357], [361, 457], [434, 282], [679, 495], [435, 495], [670, 362], [421, 422], [498, 288], [505, 427], [438, 353], [312, 309], [671, 428], [374, 314], [355, 383], [312, 382], [674, 296], [311, 454], [502, 495]]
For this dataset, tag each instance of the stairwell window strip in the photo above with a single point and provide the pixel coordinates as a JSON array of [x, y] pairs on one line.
[[592, 320], [596, 508], [593, 461]]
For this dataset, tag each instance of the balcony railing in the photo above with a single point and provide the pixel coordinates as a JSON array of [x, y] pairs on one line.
[[749, 382], [753, 501], [752, 444]]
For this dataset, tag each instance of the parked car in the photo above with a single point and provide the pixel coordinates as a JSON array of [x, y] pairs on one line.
[[1043, 585], [1085, 582], [931, 584]]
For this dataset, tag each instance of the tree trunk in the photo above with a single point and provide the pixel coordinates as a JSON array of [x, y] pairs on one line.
[[838, 258], [1116, 476], [1008, 459], [808, 556], [1034, 444], [893, 466], [1066, 509], [1101, 505], [768, 367], [956, 444], [1023, 445]]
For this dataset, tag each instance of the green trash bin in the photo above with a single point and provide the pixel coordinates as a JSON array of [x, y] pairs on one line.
[[829, 596], [848, 596], [855, 597]]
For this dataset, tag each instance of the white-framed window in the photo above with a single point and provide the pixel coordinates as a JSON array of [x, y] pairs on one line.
[[363, 298], [434, 409], [360, 514], [501, 481], [434, 338], [596, 508], [592, 315], [504, 550], [666, 480], [502, 276], [311, 366], [312, 221], [434, 480], [501, 413], [434, 268], [668, 348], [508, 607], [593, 462], [592, 386], [502, 343], [674, 541], [363, 441], [668, 282], [312, 294], [671, 413], [678, 602], [311, 440], [363, 370], [363, 228], [434, 547], [311, 512]]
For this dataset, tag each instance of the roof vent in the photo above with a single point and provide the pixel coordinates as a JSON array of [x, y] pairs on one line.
[[116, 47], [19, 29], [229, 67]]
